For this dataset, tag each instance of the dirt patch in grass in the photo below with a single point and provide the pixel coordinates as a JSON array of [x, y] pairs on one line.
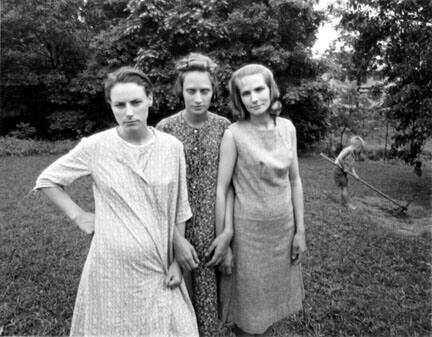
[[415, 221]]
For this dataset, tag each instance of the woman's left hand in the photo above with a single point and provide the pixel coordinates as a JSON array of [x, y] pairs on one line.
[[174, 276], [219, 248], [298, 247]]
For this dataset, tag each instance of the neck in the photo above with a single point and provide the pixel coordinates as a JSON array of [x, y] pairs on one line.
[[136, 137], [194, 120], [264, 121]]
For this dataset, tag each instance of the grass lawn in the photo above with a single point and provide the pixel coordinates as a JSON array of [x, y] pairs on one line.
[[367, 272]]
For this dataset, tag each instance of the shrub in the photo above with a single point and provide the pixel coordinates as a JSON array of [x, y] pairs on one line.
[[23, 131], [13, 146]]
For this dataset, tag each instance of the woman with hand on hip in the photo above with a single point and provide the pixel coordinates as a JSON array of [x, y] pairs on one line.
[[130, 285], [259, 155], [207, 238]]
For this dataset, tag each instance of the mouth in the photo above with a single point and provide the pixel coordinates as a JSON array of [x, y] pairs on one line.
[[130, 122], [256, 107]]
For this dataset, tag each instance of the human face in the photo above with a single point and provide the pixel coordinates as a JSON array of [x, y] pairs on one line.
[[254, 93], [130, 104], [197, 92]]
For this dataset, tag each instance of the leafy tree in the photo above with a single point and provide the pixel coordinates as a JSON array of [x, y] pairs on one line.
[[356, 105], [154, 33], [43, 48], [275, 33], [396, 37]]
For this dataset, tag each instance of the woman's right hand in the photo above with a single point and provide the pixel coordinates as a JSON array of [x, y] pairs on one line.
[[185, 254], [227, 263], [85, 221]]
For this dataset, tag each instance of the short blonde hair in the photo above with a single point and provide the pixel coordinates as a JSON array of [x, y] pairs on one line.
[[238, 107], [356, 140]]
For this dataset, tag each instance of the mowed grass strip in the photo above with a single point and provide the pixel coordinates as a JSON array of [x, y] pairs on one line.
[[361, 279]]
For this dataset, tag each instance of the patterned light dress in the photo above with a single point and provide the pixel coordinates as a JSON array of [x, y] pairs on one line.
[[266, 286], [140, 194], [201, 146]]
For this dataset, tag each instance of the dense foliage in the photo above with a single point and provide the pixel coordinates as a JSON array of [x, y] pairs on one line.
[[52, 73], [396, 38]]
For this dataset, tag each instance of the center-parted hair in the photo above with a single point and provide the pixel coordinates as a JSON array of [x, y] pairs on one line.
[[127, 75], [194, 62], [239, 110]]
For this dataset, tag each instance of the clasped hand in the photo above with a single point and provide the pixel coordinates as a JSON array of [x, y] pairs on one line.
[[174, 276], [185, 254], [218, 248]]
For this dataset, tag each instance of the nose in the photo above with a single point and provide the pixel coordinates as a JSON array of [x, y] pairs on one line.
[[198, 98], [254, 97], [129, 110]]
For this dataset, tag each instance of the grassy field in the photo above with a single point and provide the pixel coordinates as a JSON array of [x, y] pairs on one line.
[[367, 272]]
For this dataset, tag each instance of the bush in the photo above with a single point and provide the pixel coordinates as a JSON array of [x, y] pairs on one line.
[[23, 130], [13, 146]]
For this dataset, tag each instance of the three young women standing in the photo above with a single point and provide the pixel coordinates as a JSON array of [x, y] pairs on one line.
[[201, 132], [259, 155]]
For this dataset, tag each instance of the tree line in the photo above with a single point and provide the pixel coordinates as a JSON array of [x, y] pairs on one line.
[[55, 54]]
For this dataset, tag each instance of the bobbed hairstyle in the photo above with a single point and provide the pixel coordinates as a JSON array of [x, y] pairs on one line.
[[357, 140], [194, 62], [127, 75], [239, 110]]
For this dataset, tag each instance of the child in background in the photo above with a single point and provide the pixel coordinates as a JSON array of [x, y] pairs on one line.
[[345, 160]]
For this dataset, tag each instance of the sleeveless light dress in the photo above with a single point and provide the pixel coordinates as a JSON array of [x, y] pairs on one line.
[[266, 286]]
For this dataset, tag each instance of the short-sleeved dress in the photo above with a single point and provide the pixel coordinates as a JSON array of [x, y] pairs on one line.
[[266, 286], [201, 146], [140, 193]]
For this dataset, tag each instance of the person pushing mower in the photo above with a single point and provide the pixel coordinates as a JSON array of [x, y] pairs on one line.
[[345, 163]]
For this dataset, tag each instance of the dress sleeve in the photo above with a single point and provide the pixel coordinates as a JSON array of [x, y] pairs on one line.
[[183, 209], [67, 168]]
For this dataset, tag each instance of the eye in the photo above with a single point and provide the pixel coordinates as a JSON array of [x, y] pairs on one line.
[[190, 91], [205, 91], [136, 102], [120, 105], [260, 89], [245, 93]]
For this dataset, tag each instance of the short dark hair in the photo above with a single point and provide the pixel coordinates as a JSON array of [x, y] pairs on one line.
[[238, 108], [126, 75], [194, 62]]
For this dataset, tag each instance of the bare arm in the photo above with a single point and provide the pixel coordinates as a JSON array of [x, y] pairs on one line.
[[227, 160], [62, 200], [299, 241], [184, 252], [229, 211]]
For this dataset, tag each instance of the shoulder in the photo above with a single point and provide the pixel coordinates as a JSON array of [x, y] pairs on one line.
[[167, 140], [237, 125], [168, 122], [219, 120], [97, 139], [346, 152], [285, 123]]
